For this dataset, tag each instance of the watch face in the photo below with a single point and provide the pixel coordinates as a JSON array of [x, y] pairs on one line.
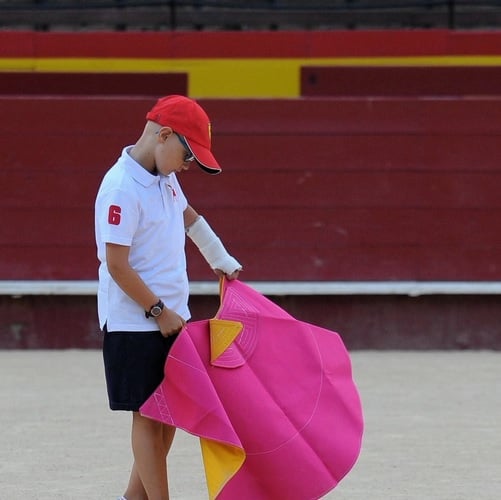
[[156, 311]]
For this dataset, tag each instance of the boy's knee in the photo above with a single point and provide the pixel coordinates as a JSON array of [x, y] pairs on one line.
[[138, 421]]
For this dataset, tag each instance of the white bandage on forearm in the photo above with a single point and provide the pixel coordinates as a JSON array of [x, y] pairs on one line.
[[211, 248]]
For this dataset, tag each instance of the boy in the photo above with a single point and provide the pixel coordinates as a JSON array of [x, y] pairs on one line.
[[141, 218]]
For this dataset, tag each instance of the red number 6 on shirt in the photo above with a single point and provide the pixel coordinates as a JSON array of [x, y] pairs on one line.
[[114, 216]]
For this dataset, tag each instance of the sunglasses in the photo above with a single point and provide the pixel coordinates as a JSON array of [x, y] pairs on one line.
[[188, 157]]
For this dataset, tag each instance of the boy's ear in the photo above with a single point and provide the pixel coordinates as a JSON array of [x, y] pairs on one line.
[[164, 133]]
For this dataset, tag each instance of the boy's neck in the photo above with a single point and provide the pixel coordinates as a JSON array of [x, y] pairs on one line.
[[145, 159]]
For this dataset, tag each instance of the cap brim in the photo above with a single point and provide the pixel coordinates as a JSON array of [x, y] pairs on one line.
[[204, 158]]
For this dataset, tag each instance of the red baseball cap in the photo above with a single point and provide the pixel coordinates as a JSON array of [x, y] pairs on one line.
[[187, 118]]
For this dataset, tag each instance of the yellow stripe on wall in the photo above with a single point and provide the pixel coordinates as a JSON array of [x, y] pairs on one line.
[[242, 78]]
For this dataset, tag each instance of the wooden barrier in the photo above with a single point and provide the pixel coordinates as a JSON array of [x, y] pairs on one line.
[[312, 189], [395, 81], [364, 321], [339, 206], [59, 84], [241, 64]]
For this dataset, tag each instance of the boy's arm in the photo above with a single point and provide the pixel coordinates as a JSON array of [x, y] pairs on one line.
[[117, 259], [210, 245], [190, 216]]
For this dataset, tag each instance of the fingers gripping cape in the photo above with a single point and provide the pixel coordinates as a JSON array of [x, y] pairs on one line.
[[271, 398]]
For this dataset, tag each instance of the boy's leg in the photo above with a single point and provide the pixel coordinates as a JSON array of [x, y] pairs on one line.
[[151, 442], [168, 437], [135, 489]]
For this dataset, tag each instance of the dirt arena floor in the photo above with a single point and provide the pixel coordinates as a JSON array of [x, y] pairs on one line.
[[433, 429]]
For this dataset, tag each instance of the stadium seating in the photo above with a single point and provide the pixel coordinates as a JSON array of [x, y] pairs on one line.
[[250, 15]]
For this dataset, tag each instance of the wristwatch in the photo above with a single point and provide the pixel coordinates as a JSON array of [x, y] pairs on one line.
[[155, 310]]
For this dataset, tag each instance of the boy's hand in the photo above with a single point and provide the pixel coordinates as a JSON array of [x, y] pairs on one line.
[[170, 322], [232, 276], [212, 249]]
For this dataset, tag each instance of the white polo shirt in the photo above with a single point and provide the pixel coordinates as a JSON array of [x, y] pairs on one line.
[[145, 212]]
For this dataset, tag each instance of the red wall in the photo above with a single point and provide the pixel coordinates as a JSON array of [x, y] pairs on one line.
[[356, 180], [251, 44], [60, 84], [312, 189], [393, 81], [364, 322]]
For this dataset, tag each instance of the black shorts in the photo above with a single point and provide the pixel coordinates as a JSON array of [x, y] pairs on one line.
[[134, 366]]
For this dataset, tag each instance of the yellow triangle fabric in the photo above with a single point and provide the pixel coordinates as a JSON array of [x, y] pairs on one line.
[[221, 463], [222, 334]]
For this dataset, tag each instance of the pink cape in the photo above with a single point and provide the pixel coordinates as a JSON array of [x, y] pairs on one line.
[[271, 398]]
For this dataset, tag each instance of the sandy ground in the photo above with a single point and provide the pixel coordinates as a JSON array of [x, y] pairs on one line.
[[433, 429]]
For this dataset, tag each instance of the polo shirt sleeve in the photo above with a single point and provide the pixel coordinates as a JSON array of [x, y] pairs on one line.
[[117, 214]]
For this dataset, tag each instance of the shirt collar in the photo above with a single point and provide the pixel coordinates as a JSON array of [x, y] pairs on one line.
[[138, 172]]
